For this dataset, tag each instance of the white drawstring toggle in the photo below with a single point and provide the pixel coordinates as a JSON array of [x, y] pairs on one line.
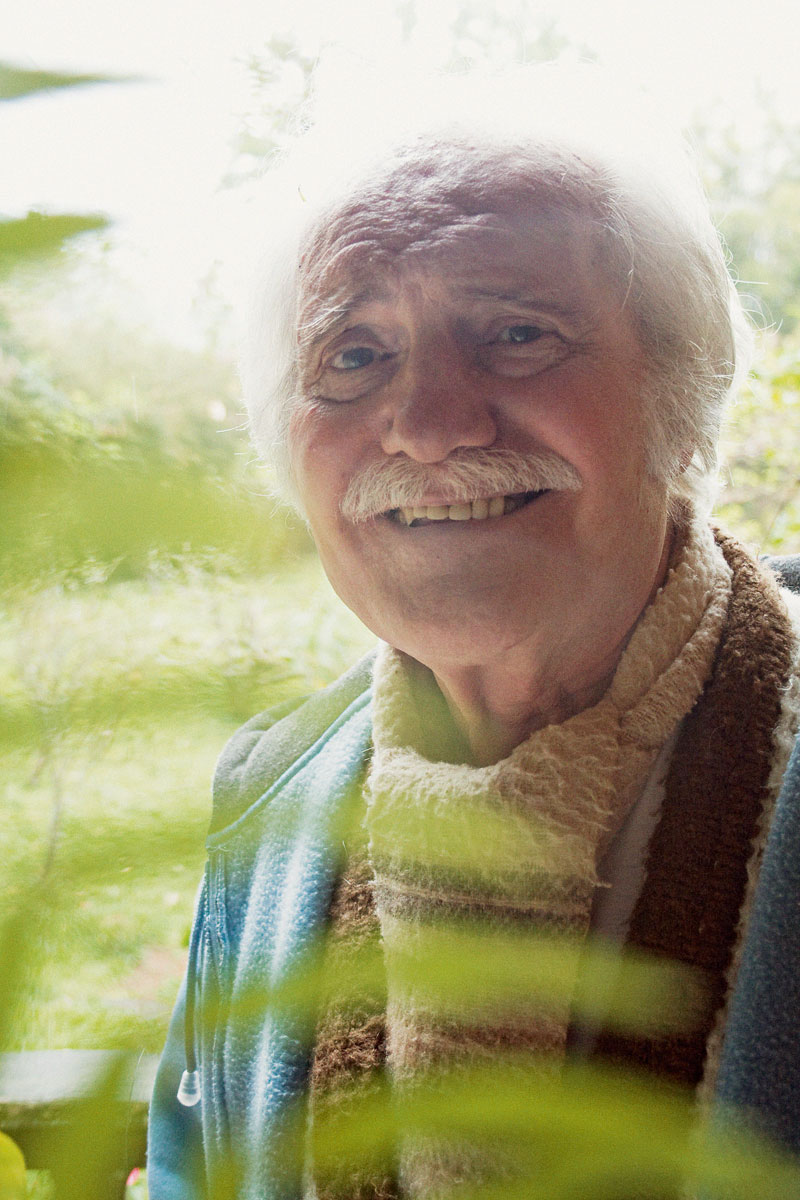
[[189, 1091]]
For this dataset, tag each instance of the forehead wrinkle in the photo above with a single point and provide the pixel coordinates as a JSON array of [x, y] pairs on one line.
[[362, 242], [330, 277]]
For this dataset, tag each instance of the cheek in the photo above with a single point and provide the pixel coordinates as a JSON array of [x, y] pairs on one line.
[[326, 450], [599, 429], [317, 456]]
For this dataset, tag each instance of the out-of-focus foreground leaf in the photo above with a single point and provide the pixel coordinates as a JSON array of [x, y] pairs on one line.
[[41, 233], [12, 1170], [38, 233], [80, 1139], [586, 1132], [16, 82], [40, 905]]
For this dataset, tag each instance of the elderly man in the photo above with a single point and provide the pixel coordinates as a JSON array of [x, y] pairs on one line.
[[504, 341]]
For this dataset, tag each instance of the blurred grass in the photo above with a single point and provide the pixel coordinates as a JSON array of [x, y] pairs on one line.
[[116, 700]]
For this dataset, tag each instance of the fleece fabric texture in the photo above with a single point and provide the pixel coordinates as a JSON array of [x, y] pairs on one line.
[[760, 1069], [280, 796], [261, 910]]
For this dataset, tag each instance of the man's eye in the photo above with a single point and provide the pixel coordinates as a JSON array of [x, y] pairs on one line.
[[354, 357], [521, 349], [519, 335]]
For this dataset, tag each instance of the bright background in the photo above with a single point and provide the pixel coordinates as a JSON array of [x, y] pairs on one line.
[[154, 155]]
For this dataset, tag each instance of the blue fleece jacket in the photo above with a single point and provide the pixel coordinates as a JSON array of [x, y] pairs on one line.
[[760, 1066], [280, 789]]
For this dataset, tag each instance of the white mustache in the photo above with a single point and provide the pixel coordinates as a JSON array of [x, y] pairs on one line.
[[466, 474]]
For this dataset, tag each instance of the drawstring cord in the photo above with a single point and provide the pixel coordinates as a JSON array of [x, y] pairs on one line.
[[189, 1091]]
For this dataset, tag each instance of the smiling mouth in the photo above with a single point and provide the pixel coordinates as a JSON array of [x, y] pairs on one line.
[[475, 510]]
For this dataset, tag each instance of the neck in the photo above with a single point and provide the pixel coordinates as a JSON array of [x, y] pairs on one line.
[[495, 709], [496, 705]]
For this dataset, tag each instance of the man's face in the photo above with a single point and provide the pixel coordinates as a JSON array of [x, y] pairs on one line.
[[501, 330]]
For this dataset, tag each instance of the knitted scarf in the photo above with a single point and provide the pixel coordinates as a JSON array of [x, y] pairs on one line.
[[475, 864]]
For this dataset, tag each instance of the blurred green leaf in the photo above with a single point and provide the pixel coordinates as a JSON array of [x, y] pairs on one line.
[[86, 1154], [12, 1170], [41, 233], [541, 1135], [16, 82]]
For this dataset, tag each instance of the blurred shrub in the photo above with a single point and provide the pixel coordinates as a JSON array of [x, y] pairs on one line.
[[79, 482], [760, 500]]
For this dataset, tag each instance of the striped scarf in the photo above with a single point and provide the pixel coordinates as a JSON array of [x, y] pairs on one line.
[[459, 876]]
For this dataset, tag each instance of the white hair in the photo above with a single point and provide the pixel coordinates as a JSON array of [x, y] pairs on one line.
[[569, 134]]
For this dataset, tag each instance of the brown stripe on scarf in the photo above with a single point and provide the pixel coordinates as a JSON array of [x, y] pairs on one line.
[[715, 793], [344, 1046], [350, 1050], [553, 908], [439, 1043]]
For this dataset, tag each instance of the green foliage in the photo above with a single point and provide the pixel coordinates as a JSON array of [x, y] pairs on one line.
[[113, 477], [753, 179], [582, 1133], [38, 234], [12, 1170], [17, 82], [481, 34], [281, 73], [761, 497], [115, 703], [282, 70], [763, 236], [83, 1154]]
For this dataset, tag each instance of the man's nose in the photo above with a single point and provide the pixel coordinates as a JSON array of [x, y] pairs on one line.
[[435, 407]]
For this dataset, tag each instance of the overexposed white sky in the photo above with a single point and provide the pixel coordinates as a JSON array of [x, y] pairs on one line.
[[152, 155]]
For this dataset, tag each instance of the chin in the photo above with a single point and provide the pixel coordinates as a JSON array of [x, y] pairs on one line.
[[459, 640]]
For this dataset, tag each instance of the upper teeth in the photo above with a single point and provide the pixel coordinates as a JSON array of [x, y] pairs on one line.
[[475, 510]]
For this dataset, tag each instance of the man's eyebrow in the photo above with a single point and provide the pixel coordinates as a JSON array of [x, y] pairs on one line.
[[331, 315], [538, 301]]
